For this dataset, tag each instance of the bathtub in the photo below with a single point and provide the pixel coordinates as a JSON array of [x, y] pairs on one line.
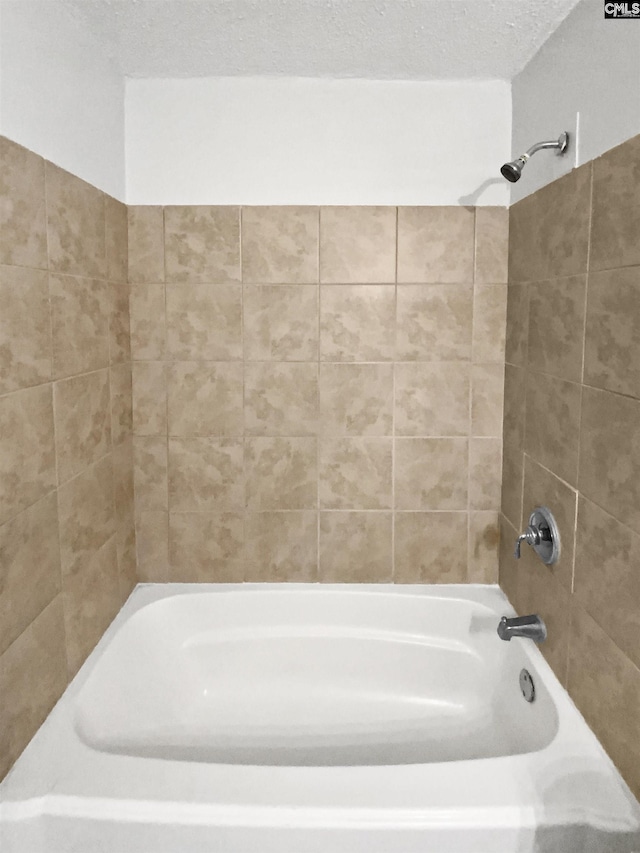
[[314, 718]]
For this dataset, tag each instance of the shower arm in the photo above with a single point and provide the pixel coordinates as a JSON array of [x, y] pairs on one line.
[[560, 144]]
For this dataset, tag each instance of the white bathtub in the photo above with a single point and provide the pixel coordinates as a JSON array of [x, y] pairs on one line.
[[308, 718]]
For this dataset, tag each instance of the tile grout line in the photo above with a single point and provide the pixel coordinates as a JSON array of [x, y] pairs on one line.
[[393, 407], [319, 332], [471, 386]]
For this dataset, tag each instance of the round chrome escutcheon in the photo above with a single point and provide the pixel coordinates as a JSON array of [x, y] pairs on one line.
[[527, 687]]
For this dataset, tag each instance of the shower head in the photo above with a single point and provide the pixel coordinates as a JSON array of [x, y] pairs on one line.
[[513, 171]]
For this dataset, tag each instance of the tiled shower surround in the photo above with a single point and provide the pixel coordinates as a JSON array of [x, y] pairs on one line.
[[317, 392], [572, 434], [67, 541]]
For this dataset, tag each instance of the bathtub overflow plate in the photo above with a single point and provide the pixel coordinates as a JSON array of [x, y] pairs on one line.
[[527, 686]]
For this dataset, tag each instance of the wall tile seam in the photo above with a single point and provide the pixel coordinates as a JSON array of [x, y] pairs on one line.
[[315, 509], [551, 471], [391, 361], [578, 384], [55, 420], [58, 594], [575, 604], [314, 436], [93, 464]]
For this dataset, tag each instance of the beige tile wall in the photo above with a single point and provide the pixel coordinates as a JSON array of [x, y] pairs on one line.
[[67, 539], [572, 434], [317, 392]]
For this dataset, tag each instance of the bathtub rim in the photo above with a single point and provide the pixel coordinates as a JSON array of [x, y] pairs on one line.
[[60, 791]]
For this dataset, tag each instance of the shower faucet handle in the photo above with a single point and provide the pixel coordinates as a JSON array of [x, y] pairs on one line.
[[542, 534], [531, 536]]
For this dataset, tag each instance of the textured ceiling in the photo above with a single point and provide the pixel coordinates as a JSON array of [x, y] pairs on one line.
[[375, 39]]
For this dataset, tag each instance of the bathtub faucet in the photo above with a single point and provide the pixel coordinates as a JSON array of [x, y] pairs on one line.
[[532, 627]]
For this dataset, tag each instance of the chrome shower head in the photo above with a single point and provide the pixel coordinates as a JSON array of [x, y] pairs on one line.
[[513, 171]]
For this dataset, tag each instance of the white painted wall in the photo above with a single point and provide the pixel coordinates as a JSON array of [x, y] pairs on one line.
[[313, 141], [60, 95], [589, 67]]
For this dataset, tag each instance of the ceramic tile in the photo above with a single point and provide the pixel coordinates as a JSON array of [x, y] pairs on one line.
[[281, 399], [526, 263], [29, 567], [80, 324], [431, 473], [355, 473], [148, 322], [152, 546], [432, 399], [607, 584], [149, 390], [119, 329], [127, 569], [430, 547], [508, 566], [556, 321], [484, 545], [356, 547], [513, 443], [146, 244], [435, 244], [281, 473], [563, 212], [27, 454], [75, 225], [206, 474], [116, 240], [122, 458], [121, 403], [206, 547], [512, 480], [281, 322], [605, 685], [357, 323], [123, 464], [612, 339], [434, 322], [515, 386], [487, 399], [356, 399], [205, 398], [492, 245], [280, 245], [357, 245], [202, 244], [204, 323], [489, 322], [150, 472], [517, 332], [281, 547], [552, 424], [91, 601], [25, 332], [485, 473], [33, 676], [83, 422], [610, 454], [23, 223], [87, 516], [616, 207], [542, 488]]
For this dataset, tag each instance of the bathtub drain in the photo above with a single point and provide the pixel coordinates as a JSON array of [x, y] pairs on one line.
[[527, 686]]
